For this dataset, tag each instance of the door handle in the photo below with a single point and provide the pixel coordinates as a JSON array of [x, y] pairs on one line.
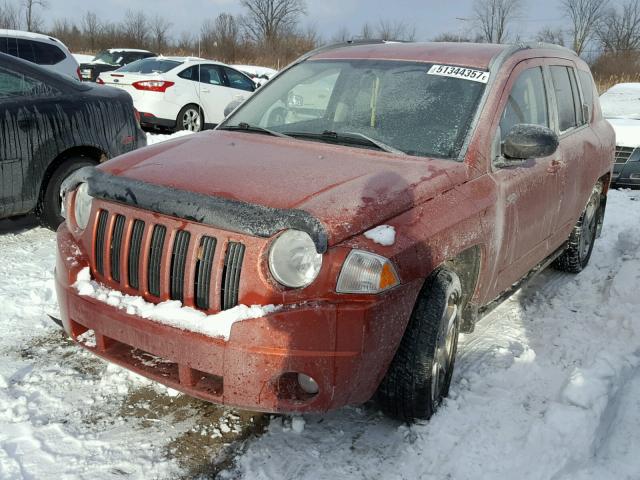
[[554, 166]]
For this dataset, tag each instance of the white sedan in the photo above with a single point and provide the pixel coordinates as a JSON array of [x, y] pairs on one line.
[[180, 93]]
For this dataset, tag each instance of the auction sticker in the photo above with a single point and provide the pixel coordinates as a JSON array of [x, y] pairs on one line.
[[459, 72]]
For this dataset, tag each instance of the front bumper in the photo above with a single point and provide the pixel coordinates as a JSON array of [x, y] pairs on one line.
[[346, 347], [626, 174]]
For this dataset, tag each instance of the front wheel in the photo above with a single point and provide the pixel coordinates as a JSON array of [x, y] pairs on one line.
[[580, 246], [420, 373], [50, 206]]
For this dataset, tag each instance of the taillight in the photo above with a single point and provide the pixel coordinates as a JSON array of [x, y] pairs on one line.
[[153, 85], [99, 81], [136, 114], [79, 74]]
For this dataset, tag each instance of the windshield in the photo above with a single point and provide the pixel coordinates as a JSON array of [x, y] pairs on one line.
[[107, 57], [150, 65], [398, 105]]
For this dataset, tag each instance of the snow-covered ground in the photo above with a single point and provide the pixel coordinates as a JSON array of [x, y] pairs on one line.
[[547, 387]]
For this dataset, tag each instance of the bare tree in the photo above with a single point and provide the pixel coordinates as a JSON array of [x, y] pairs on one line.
[[268, 20], [9, 16], [159, 27], [367, 32], [585, 16], [342, 35], [91, 29], [494, 16], [33, 21], [551, 35], [396, 30], [136, 28], [620, 29], [452, 37]]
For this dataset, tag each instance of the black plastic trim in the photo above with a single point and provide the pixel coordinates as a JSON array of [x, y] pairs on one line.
[[223, 213]]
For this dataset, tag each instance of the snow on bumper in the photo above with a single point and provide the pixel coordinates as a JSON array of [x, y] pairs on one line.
[[346, 347]]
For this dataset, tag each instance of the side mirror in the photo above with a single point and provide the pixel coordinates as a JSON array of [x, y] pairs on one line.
[[526, 141], [231, 107]]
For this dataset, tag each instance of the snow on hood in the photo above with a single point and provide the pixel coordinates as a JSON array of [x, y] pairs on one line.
[[349, 190], [627, 131], [621, 101]]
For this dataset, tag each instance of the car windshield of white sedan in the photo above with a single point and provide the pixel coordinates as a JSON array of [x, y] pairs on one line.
[[402, 107], [150, 65], [110, 58]]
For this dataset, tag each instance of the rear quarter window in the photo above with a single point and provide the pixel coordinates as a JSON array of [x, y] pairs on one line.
[[588, 86]]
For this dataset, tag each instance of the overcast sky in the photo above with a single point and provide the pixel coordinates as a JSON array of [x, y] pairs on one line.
[[430, 17]]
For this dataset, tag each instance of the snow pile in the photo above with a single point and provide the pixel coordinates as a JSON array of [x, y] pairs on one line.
[[547, 387], [171, 312], [383, 235]]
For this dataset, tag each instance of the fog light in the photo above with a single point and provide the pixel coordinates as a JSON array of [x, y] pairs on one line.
[[308, 384]]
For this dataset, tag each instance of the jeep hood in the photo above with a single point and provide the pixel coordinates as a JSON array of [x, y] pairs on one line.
[[348, 189]]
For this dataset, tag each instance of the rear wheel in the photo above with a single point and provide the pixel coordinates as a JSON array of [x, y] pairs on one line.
[[420, 373], [48, 211], [190, 118], [580, 246]]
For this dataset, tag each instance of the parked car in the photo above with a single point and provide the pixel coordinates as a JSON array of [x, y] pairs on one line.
[[287, 265], [260, 75], [180, 93], [50, 126], [621, 107], [43, 50], [109, 60]]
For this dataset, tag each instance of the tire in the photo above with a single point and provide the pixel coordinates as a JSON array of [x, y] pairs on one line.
[[415, 383], [48, 210], [580, 245], [191, 118]]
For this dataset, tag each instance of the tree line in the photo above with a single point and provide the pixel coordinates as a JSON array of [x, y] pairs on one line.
[[271, 32]]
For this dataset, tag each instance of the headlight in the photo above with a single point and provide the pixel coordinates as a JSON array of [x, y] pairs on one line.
[[365, 272], [82, 206], [293, 259]]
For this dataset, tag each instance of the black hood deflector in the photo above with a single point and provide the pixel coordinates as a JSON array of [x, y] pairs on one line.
[[223, 213]]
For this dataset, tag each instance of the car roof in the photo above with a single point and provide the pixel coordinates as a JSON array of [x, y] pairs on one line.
[[476, 55], [29, 35], [31, 68]]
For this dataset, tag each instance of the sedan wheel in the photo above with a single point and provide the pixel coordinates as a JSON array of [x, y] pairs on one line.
[[191, 119]]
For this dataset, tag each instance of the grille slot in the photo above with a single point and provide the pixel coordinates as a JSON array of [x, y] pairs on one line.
[[623, 154], [155, 259], [134, 253], [231, 275], [116, 244], [204, 265], [178, 260], [103, 216]]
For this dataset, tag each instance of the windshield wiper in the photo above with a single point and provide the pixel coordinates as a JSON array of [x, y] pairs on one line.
[[348, 137], [244, 126]]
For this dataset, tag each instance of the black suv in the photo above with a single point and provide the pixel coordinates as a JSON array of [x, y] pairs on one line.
[[109, 60], [50, 126]]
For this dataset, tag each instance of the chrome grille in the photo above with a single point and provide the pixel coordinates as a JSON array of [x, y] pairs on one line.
[[623, 154]]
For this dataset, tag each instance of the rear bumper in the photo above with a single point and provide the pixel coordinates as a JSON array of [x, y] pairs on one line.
[[148, 120], [345, 347]]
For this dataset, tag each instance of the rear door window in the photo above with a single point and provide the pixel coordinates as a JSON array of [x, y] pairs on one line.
[[238, 80], [14, 85], [564, 87], [527, 102]]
